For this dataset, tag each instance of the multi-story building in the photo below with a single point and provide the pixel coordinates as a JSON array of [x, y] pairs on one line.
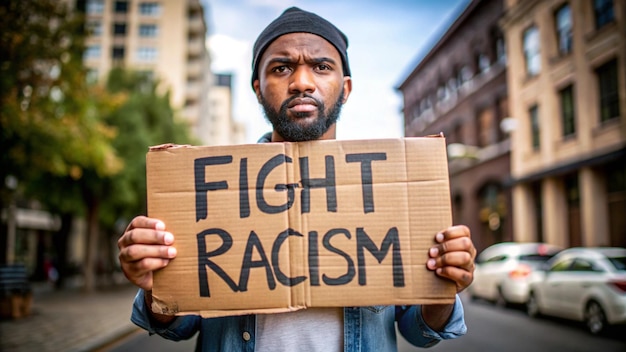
[[459, 88], [567, 82], [224, 129], [162, 38]]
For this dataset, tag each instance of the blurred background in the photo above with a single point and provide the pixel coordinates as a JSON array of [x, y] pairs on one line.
[[531, 96]]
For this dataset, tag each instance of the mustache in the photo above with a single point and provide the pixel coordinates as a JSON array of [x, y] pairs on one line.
[[285, 104]]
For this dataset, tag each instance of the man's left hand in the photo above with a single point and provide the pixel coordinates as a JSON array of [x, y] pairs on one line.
[[453, 256]]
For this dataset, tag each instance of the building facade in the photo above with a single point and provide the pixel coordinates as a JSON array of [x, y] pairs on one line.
[[459, 88], [567, 83], [165, 39], [224, 130]]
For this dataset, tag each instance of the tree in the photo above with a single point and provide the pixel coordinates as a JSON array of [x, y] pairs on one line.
[[51, 127], [79, 149], [145, 118], [50, 120]]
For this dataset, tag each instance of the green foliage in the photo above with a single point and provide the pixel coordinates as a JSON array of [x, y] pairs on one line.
[[145, 119], [50, 120], [65, 140]]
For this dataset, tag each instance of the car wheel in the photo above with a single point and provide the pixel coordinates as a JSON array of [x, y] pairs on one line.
[[595, 318], [532, 306], [500, 300]]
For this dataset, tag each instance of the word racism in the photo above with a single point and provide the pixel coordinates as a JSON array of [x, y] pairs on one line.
[[254, 245]]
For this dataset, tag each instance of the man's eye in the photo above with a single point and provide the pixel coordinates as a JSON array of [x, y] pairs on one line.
[[323, 67], [280, 68]]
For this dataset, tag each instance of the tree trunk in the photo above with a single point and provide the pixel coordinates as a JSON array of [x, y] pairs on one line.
[[93, 234], [60, 242]]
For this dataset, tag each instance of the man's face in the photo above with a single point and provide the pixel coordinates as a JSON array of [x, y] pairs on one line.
[[301, 87]]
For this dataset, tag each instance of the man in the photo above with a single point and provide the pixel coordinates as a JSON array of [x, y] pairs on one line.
[[301, 77]]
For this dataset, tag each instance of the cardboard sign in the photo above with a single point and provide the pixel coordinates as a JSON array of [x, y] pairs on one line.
[[284, 226]]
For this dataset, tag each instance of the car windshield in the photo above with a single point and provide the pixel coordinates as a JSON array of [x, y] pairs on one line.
[[619, 263], [535, 257]]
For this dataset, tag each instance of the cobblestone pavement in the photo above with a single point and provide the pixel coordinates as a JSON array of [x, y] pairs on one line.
[[71, 320]]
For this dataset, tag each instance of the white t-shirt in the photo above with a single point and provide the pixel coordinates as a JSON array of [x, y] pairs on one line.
[[313, 329]]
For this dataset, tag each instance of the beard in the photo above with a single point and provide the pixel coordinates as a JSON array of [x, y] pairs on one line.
[[293, 130]]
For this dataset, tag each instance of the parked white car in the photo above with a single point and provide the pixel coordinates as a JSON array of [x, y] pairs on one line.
[[505, 270], [583, 284]]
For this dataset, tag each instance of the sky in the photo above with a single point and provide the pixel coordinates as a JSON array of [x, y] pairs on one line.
[[386, 39]]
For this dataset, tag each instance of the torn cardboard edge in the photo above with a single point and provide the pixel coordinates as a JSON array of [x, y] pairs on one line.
[[277, 227]]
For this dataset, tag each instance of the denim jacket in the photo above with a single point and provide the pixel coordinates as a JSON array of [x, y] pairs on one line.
[[365, 328]]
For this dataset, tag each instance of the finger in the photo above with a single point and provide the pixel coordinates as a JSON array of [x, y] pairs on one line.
[[146, 223], [145, 236], [453, 232], [461, 277], [461, 244], [145, 266], [457, 259], [139, 252]]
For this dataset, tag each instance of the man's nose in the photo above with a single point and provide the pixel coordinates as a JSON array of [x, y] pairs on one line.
[[302, 81]]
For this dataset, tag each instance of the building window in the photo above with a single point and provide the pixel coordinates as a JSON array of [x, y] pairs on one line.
[[425, 105], [94, 28], [531, 51], [442, 93], [483, 63], [147, 54], [568, 117], [91, 75], [492, 210], [148, 30], [119, 29], [465, 75], [95, 7], [92, 52], [486, 127], [533, 114], [608, 90], [118, 53], [500, 50], [453, 85], [603, 12], [563, 20], [150, 8], [503, 126], [121, 7]]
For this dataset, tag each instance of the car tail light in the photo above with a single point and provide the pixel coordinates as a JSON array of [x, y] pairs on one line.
[[520, 272], [620, 285]]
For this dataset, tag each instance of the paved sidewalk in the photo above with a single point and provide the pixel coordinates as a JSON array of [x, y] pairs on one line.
[[71, 320]]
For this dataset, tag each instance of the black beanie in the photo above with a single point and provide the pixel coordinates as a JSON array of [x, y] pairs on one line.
[[295, 20]]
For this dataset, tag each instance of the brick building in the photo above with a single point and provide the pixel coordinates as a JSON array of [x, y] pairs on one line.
[[459, 88]]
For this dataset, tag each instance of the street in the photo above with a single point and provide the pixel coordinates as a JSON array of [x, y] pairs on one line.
[[490, 328]]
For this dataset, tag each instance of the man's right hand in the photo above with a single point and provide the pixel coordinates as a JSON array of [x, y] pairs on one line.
[[145, 247]]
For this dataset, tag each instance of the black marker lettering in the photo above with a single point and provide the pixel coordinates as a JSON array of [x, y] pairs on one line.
[[202, 187], [260, 183], [328, 183], [204, 261], [280, 276], [349, 275], [244, 198], [255, 242], [391, 239], [366, 175]]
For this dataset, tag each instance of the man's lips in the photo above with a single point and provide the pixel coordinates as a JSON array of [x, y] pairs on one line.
[[302, 105]]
